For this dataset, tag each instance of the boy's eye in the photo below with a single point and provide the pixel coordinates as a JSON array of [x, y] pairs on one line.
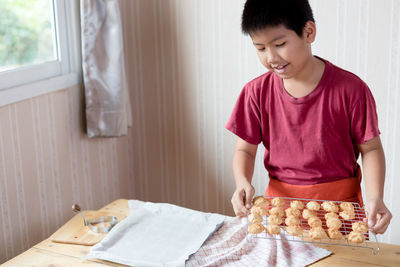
[[281, 44], [261, 49]]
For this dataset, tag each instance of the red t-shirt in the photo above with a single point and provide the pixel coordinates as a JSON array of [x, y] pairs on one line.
[[311, 139]]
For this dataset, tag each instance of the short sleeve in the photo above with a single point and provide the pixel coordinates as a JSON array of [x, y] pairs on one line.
[[364, 118], [245, 120]]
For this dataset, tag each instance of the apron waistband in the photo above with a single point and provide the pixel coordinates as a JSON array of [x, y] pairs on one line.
[[347, 189]]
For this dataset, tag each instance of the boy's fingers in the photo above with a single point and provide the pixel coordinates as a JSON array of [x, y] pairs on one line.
[[235, 206], [382, 223], [380, 227], [245, 205], [240, 211], [241, 198], [237, 198], [371, 216], [249, 197], [243, 212], [238, 203]]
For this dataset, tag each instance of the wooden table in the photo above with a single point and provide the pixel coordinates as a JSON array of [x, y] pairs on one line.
[[48, 253]]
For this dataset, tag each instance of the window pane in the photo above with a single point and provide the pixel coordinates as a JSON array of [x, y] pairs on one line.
[[27, 33]]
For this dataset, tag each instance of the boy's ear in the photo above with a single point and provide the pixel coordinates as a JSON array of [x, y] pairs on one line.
[[309, 31]]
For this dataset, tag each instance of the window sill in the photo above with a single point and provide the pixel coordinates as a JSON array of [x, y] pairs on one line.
[[26, 91]]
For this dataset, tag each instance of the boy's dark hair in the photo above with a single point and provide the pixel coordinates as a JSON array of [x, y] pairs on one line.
[[259, 14]]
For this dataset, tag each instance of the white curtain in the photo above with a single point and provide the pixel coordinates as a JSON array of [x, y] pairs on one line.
[[108, 110]]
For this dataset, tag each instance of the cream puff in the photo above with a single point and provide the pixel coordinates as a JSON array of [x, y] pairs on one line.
[[297, 204], [313, 205], [317, 233], [259, 210], [259, 199], [335, 234], [314, 222], [254, 218], [333, 223], [292, 212], [308, 214], [347, 206], [360, 227], [331, 215], [347, 215], [276, 211], [274, 219], [330, 206], [356, 237], [292, 220], [278, 202], [255, 228], [294, 230], [263, 204], [273, 229]]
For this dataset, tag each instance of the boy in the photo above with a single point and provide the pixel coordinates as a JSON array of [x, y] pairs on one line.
[[313, 118]]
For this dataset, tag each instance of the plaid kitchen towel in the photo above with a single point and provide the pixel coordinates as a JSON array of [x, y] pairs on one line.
[[232, 246], [156, 235]]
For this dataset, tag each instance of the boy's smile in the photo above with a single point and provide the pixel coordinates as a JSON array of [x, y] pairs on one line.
[[280, 69], [282, 51]]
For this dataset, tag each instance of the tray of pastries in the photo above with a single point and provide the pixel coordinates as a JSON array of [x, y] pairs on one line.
[[310, 220]]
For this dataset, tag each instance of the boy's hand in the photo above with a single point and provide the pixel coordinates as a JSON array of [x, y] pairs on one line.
[[378, 216], [241, 199]]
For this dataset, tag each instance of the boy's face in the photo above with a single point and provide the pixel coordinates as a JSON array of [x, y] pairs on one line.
[[282, 51]]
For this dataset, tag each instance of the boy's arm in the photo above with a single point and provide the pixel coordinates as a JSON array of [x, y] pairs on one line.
[[373, 161], [243, 167]]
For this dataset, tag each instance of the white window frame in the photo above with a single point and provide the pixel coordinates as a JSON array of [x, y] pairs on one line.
[[34, 80]]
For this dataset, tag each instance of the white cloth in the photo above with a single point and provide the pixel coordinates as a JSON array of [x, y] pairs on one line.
[[156, 235], [232, 246]]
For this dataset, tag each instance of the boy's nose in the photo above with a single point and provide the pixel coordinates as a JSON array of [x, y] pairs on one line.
[[271, 57], [273, 60]]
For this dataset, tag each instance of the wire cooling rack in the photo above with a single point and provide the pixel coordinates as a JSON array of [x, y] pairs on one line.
[[346, 228]]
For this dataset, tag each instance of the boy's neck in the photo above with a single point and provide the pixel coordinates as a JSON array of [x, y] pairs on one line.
[[307, 80]]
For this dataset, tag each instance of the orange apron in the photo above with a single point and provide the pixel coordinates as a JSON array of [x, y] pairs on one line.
[[348, 189]]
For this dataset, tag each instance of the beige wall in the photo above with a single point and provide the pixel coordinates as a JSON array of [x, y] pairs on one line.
[[47, 163], [187, 62], [182, 91]]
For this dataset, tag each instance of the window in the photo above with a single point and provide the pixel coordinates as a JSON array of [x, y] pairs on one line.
[[28, 36], [39, 47]]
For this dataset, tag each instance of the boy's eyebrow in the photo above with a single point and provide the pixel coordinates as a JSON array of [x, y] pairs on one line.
[[273, 40]]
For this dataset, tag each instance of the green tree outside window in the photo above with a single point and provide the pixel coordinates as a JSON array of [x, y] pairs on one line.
[[27, 34]]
